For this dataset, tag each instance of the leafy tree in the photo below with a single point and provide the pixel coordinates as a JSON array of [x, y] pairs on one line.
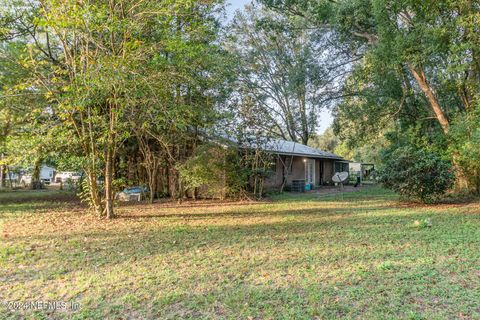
[[327, 141], [284, 78], [18, 112], [415, 173], [420, 65], [112, 70]]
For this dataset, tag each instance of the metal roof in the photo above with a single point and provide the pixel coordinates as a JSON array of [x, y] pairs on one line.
[[285, 147], [276, 146]]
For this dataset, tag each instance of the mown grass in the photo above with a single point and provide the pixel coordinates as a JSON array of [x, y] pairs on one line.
[[357, 255]]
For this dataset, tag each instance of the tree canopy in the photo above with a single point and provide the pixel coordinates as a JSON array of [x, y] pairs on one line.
[[418, 72], [127, 90]]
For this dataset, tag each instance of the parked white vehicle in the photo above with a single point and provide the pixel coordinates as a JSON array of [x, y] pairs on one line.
[[66, 176], [46, 176]]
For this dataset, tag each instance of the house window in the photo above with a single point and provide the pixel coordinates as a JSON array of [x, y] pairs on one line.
[[341, 166]]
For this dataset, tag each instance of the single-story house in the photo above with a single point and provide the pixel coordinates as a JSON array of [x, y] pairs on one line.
[[295, 162]]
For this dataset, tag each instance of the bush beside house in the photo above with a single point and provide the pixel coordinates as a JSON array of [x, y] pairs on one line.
[[416, 174]]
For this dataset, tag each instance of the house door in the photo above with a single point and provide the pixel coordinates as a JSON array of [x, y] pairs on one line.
[[310, 171]]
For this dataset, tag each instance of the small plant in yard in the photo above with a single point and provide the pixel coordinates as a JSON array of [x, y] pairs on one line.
[[416, 174], [386, 266], [425, 223]]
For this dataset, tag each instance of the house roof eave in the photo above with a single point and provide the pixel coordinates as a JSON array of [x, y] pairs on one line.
[[306, 155]]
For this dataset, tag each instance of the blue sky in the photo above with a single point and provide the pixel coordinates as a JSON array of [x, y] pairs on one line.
[[325, 118], [233, 5]]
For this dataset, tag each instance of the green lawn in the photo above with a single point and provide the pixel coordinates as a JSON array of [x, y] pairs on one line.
[[294, 257]]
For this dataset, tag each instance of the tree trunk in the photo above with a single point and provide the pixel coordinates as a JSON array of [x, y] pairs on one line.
[[2, 173], [477, 183], [284, 172], [181, 189], [421, 79], [152, 184], [95, 200], [461, 182], [35, 183], [109, 183], [224, 178], [152, 172], [152, 195], [10, 181]]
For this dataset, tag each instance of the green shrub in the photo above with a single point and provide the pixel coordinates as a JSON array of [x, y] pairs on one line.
[[215, 168], [415, 174]]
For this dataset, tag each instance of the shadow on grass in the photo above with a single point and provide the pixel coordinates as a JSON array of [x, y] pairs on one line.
[[255, 213], [9, 197], [190, 203], [29, 208]]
